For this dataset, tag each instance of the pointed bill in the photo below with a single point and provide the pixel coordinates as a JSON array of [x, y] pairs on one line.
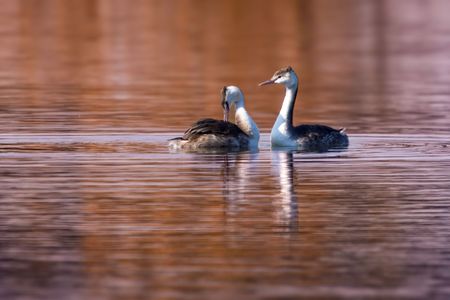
[[226, 111], [270, 81]]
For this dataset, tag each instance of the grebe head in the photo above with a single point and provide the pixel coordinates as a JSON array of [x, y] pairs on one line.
[[285, 76], [230, 95]]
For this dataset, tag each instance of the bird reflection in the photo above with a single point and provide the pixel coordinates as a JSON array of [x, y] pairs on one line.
[[237, 176], [286, 208]]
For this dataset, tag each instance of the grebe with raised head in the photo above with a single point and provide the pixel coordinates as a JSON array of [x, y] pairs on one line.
[[304, 137], [221, 134]]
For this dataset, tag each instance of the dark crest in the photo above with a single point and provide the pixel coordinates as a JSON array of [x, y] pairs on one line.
[[283, 71], [223, 92]]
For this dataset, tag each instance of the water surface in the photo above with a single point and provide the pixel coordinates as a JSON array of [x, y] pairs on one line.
[[95, 206]]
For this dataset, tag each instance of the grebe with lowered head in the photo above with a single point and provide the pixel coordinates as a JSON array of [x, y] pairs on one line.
[[217, 134], [304, 137]]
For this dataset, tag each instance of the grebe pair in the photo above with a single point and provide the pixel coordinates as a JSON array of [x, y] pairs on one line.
[[210, 133]]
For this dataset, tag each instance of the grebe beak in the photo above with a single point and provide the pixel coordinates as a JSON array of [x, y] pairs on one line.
[[226, 110], [225, 105], [270, 81]]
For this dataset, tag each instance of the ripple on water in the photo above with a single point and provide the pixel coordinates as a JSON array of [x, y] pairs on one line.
[[112, 210]]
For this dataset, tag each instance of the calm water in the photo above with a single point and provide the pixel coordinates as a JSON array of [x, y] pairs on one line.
[[94, 206]]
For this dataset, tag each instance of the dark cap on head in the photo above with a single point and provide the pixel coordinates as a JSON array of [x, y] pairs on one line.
[[277, 75], [282, 71]]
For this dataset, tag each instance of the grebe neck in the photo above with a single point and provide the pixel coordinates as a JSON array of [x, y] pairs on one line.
[[283, 131], [287, 109], [245, 122]]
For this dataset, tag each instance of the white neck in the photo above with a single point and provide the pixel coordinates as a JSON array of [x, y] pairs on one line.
[[246, 123], [282, 129], [287, 109]]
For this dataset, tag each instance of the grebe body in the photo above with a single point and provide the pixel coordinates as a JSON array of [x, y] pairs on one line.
[[222, 134], [303, 137]]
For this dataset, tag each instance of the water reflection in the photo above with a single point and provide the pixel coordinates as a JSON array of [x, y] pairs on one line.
[[93, 206], [107, 64], [286, 207], [135, 217], [238, 171]]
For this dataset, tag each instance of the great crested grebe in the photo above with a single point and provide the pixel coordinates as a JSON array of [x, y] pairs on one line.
[[303, 137], [218, 134]]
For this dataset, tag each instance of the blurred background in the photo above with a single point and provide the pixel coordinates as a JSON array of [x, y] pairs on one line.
[[94, 206], [108, 65]]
